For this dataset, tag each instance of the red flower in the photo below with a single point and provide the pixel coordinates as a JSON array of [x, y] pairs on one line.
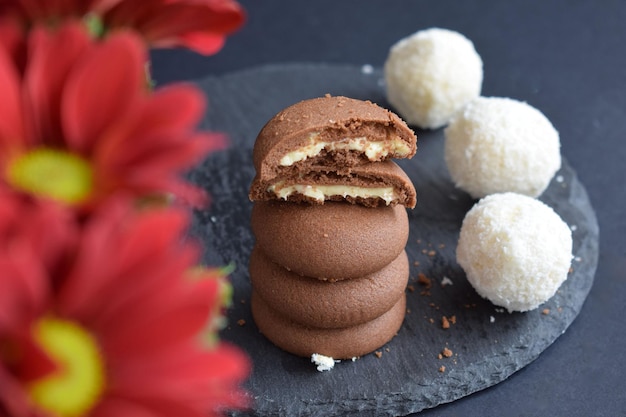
[[120, 333], [79, 125], [201, 25]]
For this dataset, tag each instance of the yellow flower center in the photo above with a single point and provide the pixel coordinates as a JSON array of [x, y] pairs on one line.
[[78, 383], [52, 173]]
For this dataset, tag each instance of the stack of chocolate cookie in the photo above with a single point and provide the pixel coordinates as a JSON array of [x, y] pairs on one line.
[[329, 267]]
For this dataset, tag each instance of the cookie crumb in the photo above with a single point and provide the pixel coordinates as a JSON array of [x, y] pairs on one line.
[[424, 280], [440, 356], [410, 288], [452, 319], [545, 311], [241, 322], [445, 323], [446, 281], [442, 369], [431, 253], [446, 352], [367, 69], [324, 363], [378, 354]]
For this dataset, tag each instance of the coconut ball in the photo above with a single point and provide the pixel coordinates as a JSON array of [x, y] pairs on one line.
[[431, 74], [515, 250], [499, 145]]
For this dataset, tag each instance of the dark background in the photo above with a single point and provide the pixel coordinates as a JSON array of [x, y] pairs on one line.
[[568, 59]]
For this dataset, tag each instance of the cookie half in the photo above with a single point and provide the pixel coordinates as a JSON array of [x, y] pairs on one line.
[[331, 131], [333, 241], [312, 302], [372, 185], [343, 343]]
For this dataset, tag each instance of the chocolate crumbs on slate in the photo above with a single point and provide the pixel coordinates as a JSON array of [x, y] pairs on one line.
[[424, 280]]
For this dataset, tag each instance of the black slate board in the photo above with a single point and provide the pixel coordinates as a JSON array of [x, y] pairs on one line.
[[488, 344]]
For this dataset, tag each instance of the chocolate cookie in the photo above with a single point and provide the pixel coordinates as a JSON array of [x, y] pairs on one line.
[[311, 302], [344, 343], [372, 185], [333, 241], [331, 131]]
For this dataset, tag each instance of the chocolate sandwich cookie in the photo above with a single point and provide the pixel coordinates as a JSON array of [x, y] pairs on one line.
[[311, 302], [372, 185], [343, 343], [330, 131], [333, 241]]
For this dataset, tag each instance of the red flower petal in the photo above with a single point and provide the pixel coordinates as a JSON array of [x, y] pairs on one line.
[[208, 377], [172, 23], [11, 127], [167, 116], [156, 144], [52, 56], [34, 237], [12, 38], [153, 287], [173, 108], [119, 248], [121, 407], [203, 43], [102, 89], [23, 288], [35, 362], [162, 321], [12, 396], [153, 407]]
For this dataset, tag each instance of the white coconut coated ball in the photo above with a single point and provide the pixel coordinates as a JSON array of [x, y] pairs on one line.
[[497, 144], [515, 250], [431, 74]]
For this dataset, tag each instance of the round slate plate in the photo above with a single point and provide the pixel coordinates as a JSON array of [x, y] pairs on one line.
[[488, 344]]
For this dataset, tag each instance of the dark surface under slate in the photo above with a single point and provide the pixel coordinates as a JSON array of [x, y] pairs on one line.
[[488, 344]]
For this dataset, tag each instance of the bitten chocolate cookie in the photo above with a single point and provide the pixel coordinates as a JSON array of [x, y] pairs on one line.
[[372, 185], [331, 131], [344, 343], [312, 302], [333, 241], [331, 148]]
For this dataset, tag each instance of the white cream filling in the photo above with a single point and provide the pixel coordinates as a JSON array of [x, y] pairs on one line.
[[319, 192], [374, 150]]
